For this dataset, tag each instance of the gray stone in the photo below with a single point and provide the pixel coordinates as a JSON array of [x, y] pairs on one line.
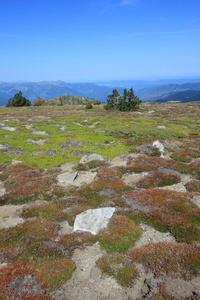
[[88, 158], [93, 220], [67, 177], [40, 132]]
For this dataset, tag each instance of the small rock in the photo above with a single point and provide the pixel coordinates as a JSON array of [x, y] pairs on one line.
[[88, 158], [160, 147], [14, 161], [67, 177], [9, 128], [40, 132]]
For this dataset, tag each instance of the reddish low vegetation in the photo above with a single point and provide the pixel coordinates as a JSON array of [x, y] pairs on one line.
[[23, 181], [174, 260], [17, 282], [158, 179], [167, 211], [147, 164]]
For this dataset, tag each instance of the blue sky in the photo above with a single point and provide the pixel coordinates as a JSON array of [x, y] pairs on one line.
[[91, 40]]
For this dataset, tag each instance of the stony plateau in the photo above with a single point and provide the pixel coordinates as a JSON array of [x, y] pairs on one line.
[[100, 205]]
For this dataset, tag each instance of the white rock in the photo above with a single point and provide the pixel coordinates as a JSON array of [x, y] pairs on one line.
[[9, 128], [27, 126], [40, 132], [2, 147], [67, 177], [160, 147], [14, 161], [93, 220], [88, 158], [38, 142]]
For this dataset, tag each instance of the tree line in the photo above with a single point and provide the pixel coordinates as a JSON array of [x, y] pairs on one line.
[[127, 102]]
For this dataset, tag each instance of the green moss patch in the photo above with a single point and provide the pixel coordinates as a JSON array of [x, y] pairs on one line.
[[120, 235], [117, 265]]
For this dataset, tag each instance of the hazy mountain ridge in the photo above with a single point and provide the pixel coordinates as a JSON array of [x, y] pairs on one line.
[[145, 90], [184, 96]]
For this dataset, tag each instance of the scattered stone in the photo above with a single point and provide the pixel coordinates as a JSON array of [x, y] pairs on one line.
[[161, 127], [9, 128], [65, 228], [10, 215], [27, 126], [151, 111], [88, 158], [4, 146], [93, 220], [72, 144], [63, 128], [84, 177], [38, 142], [160, 147], [119, 161], [132, 179], [179, 187], [14, 150], [14, 161], [79, 124], [40, 132], [67, 177]]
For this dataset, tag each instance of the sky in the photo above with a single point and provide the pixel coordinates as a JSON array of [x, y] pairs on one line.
[[99, 40]]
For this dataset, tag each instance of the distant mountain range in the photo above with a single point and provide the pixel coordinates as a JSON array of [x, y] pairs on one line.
[[145, 90], [185, 96]]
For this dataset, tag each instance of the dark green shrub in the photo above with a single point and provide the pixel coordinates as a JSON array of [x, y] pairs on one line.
[[18, 100]]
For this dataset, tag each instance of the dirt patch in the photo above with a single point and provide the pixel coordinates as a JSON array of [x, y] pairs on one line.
[[88, 282], [150, 235], [10, 215]]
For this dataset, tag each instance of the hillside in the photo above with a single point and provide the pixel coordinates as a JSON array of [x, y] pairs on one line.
[[166, 91], [70, 100], [184, 96]]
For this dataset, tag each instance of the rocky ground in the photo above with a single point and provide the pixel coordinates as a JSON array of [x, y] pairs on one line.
[[60, 168]]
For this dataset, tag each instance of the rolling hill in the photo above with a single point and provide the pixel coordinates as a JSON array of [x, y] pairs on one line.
[[70, 100]]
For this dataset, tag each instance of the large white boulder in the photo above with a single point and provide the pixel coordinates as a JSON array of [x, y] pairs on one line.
[[93, 220]]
